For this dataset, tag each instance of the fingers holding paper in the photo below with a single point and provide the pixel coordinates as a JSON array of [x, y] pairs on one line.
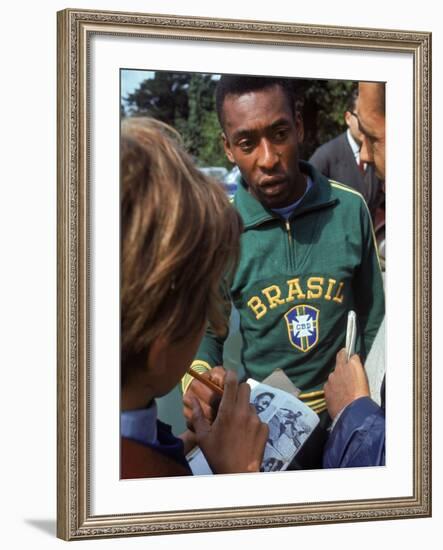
[[236, 439]]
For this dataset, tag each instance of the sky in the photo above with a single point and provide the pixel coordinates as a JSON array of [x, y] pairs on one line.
[[131, 80]]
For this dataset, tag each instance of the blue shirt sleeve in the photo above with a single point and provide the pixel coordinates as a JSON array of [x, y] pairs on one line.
[[358, 438]]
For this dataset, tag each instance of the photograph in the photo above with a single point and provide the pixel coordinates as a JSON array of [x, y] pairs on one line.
[[290, 423], [249, 135], [236, 313]]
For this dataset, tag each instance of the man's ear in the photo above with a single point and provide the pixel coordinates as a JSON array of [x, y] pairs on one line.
[[227, 148], [299, 127]]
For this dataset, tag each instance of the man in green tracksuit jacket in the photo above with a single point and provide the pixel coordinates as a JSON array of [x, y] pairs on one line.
[[307, 252]]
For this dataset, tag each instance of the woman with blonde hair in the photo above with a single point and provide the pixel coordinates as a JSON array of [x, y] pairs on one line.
[[179, 245]]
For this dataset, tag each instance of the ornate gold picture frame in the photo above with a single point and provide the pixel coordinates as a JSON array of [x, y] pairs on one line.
[[77, 517]]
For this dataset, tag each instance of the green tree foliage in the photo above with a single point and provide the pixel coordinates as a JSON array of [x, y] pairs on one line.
[[201, 131], [164, 97], [212, 152], [186, 102], [322, 104]]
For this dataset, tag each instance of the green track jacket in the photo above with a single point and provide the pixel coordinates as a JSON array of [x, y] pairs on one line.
[[297, 280]]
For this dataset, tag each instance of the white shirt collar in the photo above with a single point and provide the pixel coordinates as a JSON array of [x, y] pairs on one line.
[[140, 424], [353, 144]]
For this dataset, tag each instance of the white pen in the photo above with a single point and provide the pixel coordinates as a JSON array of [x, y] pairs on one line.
[[351, 334]]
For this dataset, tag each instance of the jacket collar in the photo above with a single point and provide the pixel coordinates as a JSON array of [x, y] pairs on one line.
[[254, 213]]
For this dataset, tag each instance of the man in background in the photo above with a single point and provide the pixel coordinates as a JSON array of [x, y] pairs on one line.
[[358, 434], [340, 160]]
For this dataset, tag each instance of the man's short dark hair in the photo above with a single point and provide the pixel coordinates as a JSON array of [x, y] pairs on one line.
[[352, 100], [232, 84], [260, 395]]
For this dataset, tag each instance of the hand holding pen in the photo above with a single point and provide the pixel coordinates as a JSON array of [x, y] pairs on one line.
[[208, 389]]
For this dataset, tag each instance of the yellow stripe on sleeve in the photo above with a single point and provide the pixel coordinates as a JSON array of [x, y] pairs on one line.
[[350, 190]]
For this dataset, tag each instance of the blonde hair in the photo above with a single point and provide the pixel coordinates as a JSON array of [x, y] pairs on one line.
[[179, 240]]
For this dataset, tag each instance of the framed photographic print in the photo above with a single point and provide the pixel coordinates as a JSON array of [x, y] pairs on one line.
[[103, 59]]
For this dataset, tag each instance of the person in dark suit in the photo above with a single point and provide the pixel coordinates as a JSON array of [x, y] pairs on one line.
[[357, 437], [339, 159]]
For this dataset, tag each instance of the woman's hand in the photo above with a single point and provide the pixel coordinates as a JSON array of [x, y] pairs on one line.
[[209, 400], [236, 439]]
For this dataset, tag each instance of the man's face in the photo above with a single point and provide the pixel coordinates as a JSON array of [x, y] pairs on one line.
[[372, 125], [261, 135], [262, 403], [352, 123]]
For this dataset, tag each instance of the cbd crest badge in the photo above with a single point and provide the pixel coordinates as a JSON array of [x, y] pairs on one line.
[[303, 326]]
